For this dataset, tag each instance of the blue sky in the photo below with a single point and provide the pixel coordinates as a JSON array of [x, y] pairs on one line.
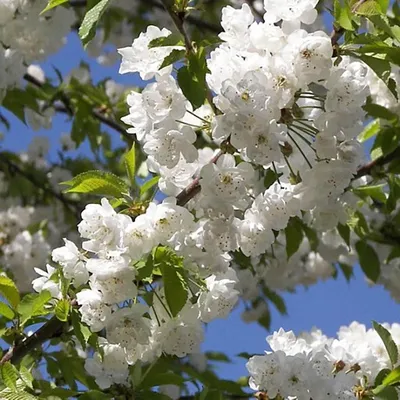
[[326, 305]]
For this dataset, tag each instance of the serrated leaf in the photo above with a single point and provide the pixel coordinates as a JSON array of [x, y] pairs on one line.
[[369, 8], [9, 291], [369, 260], [26, 376], [388, 341], [173, 57], [9, 375], [130, 164], [87, 29], [97, 182], [33, 304], [175, 286], [53, 3], [6, 311], [62, 309], [294, 237]]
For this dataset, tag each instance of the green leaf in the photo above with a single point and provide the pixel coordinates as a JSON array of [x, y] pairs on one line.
[[148, 185], [271, 177], [382, 374], [345, 18], [9, 374], [394, 193], [16, 100], [369, 8], [33, 304], [385, 142], [145, 269], [26, 376], [276, 299], [174, 39], [150, 395], [374, 191], [377, 111], [88, 28], [53, 3], [9, 291], [344, 232], [347, 271], [387, 393], [387, 340], [175, 286], [193, 90], [130, 164], [6, 311], [217, 356], [82, 332], [294, 237], [369, 260], [384, 5], [395, 253], [97, 182], [163, 378], [62, 310], [369, 131], [173, 57], [392, 378], [95, 395]]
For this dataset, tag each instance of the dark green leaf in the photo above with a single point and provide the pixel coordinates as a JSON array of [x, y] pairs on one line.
[[95, 395], [347, 271], [174, 39], [294, 237], [276, 299], [82, 332], [387, 340], [395, 253], [163, 378], [369, 260], [173, 57], [344, 232], [377, 111], [217, 356], [193, 90]]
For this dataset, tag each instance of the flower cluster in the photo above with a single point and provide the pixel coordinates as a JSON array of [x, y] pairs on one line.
[[27, 37], [312, 365]]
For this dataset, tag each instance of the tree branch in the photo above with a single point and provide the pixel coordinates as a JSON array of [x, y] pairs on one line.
[[72, 206]]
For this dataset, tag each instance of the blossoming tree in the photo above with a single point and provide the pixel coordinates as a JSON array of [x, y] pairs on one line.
[[241, 172]]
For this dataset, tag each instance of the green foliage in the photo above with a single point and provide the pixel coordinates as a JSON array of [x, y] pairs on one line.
[[98, 182], [9, 375], [294, 236], [130, 165], [387, 340], [62, 309], [53, 3], [9, 291], [87, 29], [173, 275], [368, 259], [33, 304]]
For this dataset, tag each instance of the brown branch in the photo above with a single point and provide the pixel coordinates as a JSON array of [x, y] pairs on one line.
[[72, 206], [368, 169]]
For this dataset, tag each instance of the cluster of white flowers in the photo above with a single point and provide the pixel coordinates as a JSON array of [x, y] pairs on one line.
[[25, 36], [312, 365], [284, 107]]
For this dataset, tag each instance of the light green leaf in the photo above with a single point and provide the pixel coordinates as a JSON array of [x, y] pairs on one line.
[[88, 28], [9, 291], [392, 378], [62, 309], [130, 164], [369, 131], [6, 311], [9, 374], [53, 3], [294, 237], [368, 8], [387, 393], [345, 18], [148, 185], [97, 182], [374, 191], [26, 376], [369, 260], [33, 304], [388, 341], [175, 286], [384, 5]]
